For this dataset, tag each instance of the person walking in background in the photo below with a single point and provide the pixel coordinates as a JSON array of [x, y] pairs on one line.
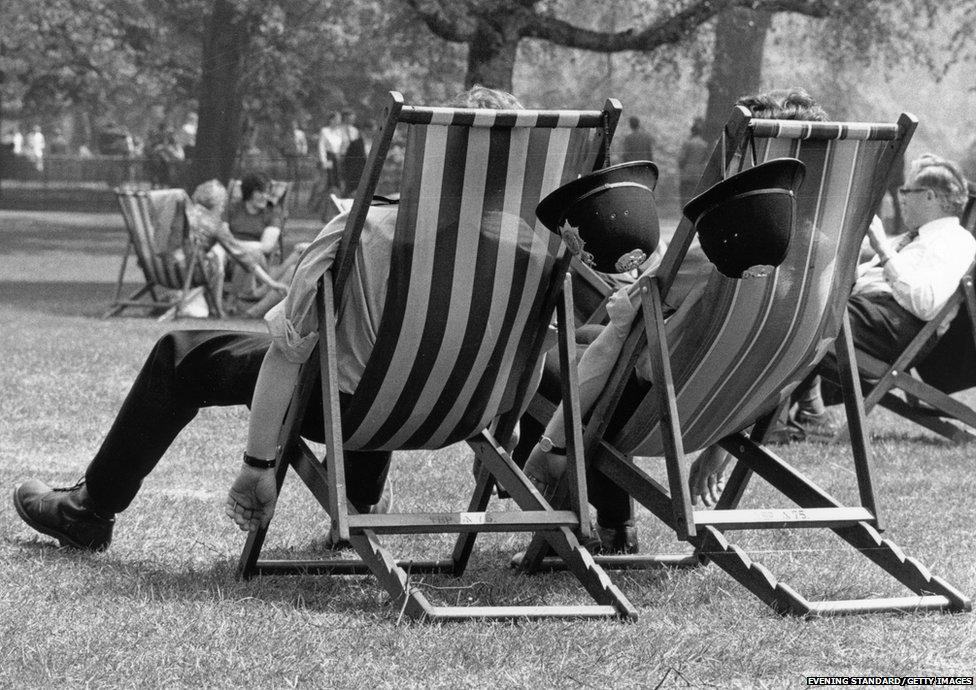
[[329, 152], [692, 160], [187, 136], [331, 145], [296, 148], [638, 144], [59, 144], [354, 159], [34, 147], [163, 154], [895, 182]]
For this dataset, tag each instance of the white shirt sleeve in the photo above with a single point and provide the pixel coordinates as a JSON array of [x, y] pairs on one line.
[[924, 274]]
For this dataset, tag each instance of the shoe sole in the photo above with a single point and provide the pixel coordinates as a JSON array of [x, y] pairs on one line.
[[63, 539]]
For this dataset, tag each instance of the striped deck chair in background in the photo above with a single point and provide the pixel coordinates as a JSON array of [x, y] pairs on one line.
[[724, 362], [156, 225], [932, 367], [473, 283]]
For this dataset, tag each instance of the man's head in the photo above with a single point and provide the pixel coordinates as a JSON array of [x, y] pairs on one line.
[[634, 122], [935, 188], [479, 96], [784, 104], [255, 183]]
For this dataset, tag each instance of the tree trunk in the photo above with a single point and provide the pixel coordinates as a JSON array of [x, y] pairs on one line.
[[225, 45], [740, 36], [491, 54]]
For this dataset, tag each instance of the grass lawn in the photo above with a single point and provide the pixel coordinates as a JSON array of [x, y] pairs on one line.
[[162, 606]]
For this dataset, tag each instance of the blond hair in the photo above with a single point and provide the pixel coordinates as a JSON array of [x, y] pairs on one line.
[[210, 194]]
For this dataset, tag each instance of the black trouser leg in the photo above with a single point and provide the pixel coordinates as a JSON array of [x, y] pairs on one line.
[[185, 371], [880, 327]]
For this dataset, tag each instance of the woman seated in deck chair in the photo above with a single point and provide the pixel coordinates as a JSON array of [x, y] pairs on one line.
[[212, 236], [615, 524]]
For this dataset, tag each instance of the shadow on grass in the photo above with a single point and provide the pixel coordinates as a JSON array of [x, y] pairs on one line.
[[91, 234], [71, 298], [102, 576]]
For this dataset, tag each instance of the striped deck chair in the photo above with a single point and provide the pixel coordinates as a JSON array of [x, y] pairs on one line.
[[723, 363], [156, 225], [473, 283]]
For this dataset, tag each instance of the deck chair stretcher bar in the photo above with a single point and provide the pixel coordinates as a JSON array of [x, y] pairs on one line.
[[725, 362], [498, 308]]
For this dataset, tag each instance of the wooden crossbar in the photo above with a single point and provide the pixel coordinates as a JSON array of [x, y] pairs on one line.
[[435, 523], [779, 518], [343, 566], [505, 613]]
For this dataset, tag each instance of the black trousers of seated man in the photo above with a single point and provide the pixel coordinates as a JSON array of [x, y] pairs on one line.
[[185, 371], [880, 327]]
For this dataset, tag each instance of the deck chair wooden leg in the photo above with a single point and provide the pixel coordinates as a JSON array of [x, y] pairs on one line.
[[933, 592], [854, 406], [132, 300], [479, 501], [940, 426], [562, 540], [657, 346]]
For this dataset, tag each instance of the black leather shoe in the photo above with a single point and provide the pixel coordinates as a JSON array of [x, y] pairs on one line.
[[617, 540], [65, 514]]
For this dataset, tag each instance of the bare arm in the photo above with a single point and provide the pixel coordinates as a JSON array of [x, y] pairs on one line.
[[599, 358], [253, 495]]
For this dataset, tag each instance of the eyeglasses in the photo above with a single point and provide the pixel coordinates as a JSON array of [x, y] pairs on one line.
[[905, 191]]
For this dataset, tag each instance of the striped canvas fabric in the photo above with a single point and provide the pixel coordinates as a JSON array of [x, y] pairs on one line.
[[469, 273], [744, 345], [149, 218]]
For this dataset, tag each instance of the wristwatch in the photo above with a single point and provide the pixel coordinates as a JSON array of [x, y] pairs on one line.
[[547, 446], [259, 463]]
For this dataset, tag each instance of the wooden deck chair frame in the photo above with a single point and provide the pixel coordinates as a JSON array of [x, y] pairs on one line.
[[705, 529], [184, 279], [326, 479], [880, 379]]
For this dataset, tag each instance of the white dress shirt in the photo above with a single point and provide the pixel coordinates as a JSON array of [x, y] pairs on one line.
[[923, 275]]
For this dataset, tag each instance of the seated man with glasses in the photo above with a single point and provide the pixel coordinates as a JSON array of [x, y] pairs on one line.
[[906, 283]]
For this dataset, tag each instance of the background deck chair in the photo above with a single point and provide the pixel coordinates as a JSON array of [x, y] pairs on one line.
[[725, 361], [279, 195], [156, 224], [442, 369], [932, 367]]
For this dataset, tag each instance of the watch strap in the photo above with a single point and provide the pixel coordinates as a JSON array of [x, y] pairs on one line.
[[259, 463]]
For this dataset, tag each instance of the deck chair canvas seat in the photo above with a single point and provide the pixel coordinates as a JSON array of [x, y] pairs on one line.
[[725, 361], [156, 225], [474, 280]]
